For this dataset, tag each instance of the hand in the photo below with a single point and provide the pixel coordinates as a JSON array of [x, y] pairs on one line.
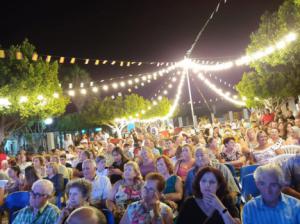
[[156, 208], [213, 201]]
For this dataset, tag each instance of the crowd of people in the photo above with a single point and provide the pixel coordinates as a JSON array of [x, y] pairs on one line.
[[185, 176]]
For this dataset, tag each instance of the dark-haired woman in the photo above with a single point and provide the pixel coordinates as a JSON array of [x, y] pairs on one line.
[[117, 168], [14, 184], [212, 203]]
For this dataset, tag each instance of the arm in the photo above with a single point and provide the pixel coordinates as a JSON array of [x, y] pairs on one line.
[[279, 151], [125, 219], [176, 196], [110, 201]]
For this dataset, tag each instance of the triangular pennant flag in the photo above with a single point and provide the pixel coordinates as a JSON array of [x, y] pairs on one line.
[[2, 54], [19, 55], [35, 57]]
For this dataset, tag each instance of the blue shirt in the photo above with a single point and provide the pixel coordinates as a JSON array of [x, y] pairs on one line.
[[286, 212]]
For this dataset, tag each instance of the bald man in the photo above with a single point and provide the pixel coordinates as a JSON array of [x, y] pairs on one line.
[[86, 214]]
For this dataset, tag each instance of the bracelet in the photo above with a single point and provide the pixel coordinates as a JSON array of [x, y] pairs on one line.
[[224, 211]]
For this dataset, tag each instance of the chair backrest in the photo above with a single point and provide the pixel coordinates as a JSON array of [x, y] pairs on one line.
[[16, 201], [249, 187], [245, 170], [231, 168], [291, 149], [109, 216]]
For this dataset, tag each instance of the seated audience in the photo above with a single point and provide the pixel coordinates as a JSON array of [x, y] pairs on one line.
[[56, 178], [271, 206], [14, 183], [30, 177], [147, 161], [186, 162], [116, 169], [232, 153], [149, 209], [102, 170], [211, 203]]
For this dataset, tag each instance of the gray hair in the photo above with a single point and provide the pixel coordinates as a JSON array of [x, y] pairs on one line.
[[46, 185], [91, 161], [269, 168]]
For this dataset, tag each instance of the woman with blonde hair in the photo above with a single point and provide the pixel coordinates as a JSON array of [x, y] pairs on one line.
[[147, 161], [55, 177], [126, 190]]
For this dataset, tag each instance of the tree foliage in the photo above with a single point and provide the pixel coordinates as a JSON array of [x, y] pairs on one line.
[[274, 78], [29, 79]]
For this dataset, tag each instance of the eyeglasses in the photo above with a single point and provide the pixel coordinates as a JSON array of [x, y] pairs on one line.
[[37, 195]]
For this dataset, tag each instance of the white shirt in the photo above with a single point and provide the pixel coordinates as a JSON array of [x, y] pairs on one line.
[[101, 187]]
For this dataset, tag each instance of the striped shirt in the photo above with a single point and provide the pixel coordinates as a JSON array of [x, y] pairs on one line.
[[287, 211]]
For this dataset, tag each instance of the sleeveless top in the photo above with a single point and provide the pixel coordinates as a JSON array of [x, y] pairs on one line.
[[264, 156], [128, 194], [170, 185], [183, 169]]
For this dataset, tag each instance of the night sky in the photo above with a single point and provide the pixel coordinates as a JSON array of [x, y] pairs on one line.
[[135, 30]]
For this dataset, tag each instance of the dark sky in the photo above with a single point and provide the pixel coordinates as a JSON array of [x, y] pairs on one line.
[[134, 30]]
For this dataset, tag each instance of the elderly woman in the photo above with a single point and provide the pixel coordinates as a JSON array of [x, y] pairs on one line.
[[125, 190], [232, 153], [55, 177], [173, 192], [149, 209], [147, 161], [211, 203], [186, 162], [78, 192], [264, 152]]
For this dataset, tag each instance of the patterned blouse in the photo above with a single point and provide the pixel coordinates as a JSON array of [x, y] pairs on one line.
[[127, 194], [137, 213], [232, 155]]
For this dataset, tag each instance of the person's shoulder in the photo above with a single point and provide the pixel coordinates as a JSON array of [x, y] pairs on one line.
[[253, 203], [291, 201], [53, 208]]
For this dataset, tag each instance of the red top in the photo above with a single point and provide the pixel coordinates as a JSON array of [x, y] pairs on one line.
[[267, 118]]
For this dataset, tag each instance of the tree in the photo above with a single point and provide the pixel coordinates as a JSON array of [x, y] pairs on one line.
[[76, 76], [113, 112], [31, 88], [276, 77]]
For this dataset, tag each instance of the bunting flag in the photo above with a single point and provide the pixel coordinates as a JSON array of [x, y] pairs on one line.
[[87, 61]]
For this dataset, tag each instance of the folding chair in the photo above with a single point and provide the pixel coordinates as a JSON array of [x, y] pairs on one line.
[[249, 188]]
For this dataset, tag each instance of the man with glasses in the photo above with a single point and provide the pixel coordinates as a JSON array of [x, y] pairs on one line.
[[271, 206], [39, 211]]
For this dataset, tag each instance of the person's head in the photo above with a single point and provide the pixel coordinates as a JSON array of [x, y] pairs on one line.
[[110, 147], [153, 186], [78, 192], [14, 172], [229, 142], [86, 214], [51, 169], [210, 180], [201, 157], [100, 162], [269, 180], [148, 143], [41, 191], [250, 133], [4, 165], [54, 159], [295, 132], [262, 138], [84, 155], [187, 152], [146, 154], [267, 111], [63, 159], [118, 155], [89, 169], [178, 152], [164, 165], [38, 161], [169, 143], [297, 121], [132, 171], [126, 147], [30, 177], [274, 134], [212, 143]]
